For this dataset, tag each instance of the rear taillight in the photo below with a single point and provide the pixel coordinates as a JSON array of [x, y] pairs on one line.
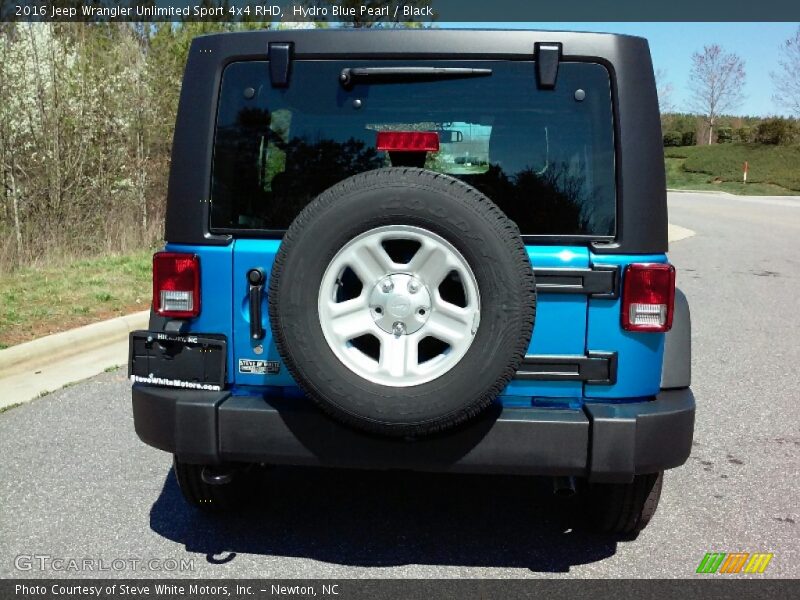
[[648, 297], [176, 284]]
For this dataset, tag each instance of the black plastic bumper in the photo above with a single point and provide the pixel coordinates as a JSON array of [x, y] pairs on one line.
[[605, 442]]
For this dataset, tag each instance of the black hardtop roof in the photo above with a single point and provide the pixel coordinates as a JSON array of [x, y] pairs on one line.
[[429, 41], [641, 182]]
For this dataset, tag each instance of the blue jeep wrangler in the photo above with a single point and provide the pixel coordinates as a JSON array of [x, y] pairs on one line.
[[431, 250]]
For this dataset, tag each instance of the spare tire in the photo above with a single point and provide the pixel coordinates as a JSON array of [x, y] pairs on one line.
[[402, 301]]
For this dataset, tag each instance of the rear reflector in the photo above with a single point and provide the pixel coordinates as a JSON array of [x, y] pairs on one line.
[[648, 297], [408, 141], [176, 284]]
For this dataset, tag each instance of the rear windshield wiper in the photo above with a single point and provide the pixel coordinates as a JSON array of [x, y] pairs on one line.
[[349, 76]]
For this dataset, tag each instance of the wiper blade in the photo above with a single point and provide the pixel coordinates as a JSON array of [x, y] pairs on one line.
[[349, 76]]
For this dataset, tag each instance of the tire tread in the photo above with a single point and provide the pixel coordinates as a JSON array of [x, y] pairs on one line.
[[623, 508], [474, 200]]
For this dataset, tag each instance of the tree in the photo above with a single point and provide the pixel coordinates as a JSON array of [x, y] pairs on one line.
[[672, 138], [716, 81], [76, 141], [664, 89], [787, 79], [724, 135], [775, 131]]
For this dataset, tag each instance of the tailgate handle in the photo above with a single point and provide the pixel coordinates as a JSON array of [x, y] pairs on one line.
[[255, 284]]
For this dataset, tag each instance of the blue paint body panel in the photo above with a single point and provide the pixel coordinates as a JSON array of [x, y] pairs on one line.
[[216, 263], [639, 355], [249, 254], [566, 324], [560, 326]]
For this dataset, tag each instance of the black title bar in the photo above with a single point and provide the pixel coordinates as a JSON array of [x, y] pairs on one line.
[[705, 588], [389, 12]]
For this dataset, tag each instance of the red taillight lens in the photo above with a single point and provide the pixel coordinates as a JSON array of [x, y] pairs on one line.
[[176, 284], [408, 141], [648, 297]]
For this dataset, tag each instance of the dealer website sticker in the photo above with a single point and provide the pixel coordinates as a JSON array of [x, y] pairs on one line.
[[259, 367]]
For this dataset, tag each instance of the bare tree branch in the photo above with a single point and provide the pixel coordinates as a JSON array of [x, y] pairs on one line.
[[717, 79], [665, 90], [787, 79]]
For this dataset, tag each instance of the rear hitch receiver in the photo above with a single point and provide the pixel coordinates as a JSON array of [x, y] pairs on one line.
[[217, 475], [563, 487]]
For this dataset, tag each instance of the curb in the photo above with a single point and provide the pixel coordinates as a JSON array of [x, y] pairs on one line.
[[676, 233], [714, 192], [45, 350]]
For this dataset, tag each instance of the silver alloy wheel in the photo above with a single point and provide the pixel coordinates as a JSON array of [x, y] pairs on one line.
[[399, 306]]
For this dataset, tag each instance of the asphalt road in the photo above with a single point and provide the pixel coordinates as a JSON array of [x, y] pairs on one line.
[[78, 483]]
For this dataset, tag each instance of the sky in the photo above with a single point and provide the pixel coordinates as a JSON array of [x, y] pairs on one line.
[[672, 45]]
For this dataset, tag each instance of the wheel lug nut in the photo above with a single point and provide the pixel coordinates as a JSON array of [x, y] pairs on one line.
[[387, 286], [399, 328], [413, 286]]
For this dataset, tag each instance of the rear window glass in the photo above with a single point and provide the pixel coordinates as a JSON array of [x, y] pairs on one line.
[[545, 157]]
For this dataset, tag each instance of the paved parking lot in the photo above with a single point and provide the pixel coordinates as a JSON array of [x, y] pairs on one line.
[[78, 483]]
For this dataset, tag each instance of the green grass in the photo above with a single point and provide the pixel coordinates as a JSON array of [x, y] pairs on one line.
[[9, 407], [774, 170], [38, 301]]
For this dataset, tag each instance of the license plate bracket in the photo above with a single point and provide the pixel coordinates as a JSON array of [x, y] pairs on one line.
[[195, 361]]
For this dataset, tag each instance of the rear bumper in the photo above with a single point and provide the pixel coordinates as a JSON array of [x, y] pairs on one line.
[[605, 442]]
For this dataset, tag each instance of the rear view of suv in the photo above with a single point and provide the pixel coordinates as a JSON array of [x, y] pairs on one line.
[[431, 250]]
